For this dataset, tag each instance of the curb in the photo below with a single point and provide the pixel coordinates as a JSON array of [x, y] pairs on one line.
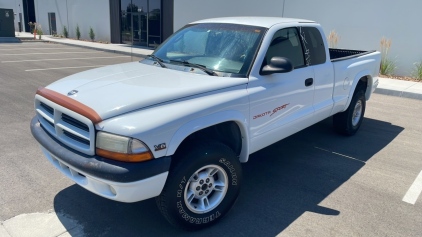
[[32, 40], [99, 49], [403, 94]]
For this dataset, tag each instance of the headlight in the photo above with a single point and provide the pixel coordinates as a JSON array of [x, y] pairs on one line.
[[121, 148]]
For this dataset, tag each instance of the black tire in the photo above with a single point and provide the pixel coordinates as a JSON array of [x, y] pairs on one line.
[[184, 180], [349, 121]]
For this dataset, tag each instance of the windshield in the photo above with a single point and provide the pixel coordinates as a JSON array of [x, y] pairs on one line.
[[226, 48]]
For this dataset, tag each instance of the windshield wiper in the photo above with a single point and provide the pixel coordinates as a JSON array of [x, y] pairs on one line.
[[158, 60], [203, 68]]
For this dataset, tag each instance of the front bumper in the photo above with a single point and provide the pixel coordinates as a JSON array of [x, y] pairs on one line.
[[119, 181]]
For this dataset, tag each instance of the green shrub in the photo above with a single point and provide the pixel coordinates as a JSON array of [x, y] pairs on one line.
[[387, 66], [91, 34], [78, 32], [39, 31], [65, 33], [417, 72]]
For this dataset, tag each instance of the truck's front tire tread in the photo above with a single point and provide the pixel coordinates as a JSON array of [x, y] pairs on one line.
[[171, 201]]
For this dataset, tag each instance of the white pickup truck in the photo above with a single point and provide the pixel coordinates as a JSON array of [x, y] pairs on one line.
[[178, 124]]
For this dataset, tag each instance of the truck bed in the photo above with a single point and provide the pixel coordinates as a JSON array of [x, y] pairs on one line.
[[343, 54]]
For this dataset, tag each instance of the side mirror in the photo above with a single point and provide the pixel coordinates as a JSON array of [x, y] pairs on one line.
[[277, 65]]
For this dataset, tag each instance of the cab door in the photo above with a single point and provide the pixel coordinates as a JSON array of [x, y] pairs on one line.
[[281, 103]]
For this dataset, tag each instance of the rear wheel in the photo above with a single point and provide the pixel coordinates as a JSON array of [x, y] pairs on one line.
[[202, 187], [349, 121]]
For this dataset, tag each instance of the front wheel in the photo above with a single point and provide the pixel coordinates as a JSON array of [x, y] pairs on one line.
[[349, 121], [202, 187]]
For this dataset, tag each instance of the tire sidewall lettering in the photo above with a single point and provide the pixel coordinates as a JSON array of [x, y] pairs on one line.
[[180, 205], [172, 202], [196, 220], [231, 169]]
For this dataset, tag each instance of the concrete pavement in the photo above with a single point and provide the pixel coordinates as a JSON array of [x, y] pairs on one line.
[[113, 48], [386, 86], [49, 224], [400, 88]]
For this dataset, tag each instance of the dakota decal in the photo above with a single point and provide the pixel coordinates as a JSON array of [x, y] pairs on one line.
[[270, 112], [279, 108], [262, 115]]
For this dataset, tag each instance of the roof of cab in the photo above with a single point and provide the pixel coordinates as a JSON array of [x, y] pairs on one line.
[[266, 22]]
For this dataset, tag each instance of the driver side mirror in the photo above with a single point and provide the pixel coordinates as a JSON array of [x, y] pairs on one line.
[[277, 65]]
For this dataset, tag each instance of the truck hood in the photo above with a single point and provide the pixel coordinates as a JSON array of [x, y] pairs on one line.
[[121, 88]]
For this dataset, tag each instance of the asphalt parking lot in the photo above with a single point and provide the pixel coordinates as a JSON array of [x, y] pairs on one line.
[[314, 183]]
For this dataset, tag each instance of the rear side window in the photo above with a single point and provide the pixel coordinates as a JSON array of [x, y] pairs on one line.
[[313, 46]]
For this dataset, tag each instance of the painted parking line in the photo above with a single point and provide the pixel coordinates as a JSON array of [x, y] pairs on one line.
[[59, 68], [61, 59], [33, 48], [414, 190], [51, 53], [339, 154]]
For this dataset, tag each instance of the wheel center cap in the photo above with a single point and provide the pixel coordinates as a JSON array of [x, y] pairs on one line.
[[204, 187]]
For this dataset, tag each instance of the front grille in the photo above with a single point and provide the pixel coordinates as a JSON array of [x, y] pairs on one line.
[[51, 124], [70, 128], [47, 108], [66, 118], [76, 138]]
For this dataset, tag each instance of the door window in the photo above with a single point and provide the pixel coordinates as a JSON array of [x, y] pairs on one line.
[[286, 43]]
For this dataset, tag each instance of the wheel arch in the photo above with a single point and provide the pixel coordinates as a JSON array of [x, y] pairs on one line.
[[204, 126], [364, 78]]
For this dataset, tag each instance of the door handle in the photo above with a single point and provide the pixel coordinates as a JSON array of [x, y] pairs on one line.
[[309, 82]]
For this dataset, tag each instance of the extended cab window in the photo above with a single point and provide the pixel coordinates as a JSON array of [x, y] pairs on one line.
[[314, 46], [286, 43]]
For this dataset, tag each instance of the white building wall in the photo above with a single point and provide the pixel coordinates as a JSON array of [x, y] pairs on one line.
[[360, 23], [69, 13], [43, 7], [186, 11], [16, 5]]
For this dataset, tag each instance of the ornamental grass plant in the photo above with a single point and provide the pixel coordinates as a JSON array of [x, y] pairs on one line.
[[387, 66]]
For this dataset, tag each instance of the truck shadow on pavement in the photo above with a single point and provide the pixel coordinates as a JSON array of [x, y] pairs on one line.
[[281, 183]]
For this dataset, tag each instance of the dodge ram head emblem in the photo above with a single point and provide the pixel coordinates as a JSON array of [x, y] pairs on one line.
[[72, 92]]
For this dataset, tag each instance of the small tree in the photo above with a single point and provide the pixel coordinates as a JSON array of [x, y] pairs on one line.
[[65, 33], [91, 34], [78, 32], [39, 31], [31, 26]]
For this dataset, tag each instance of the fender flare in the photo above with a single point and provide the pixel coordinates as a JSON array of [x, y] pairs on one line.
[[364, 73], [203, 122]]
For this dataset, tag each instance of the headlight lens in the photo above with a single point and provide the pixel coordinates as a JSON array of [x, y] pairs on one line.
[[121, 148]]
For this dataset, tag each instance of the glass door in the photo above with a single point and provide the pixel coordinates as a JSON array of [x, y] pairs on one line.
[[140, 28], [141, 22], [52, 23]]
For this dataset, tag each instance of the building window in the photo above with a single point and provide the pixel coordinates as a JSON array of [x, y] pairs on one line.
[[141, 22]]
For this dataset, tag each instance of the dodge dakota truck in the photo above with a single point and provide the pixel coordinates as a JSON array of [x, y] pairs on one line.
[[178, 124]]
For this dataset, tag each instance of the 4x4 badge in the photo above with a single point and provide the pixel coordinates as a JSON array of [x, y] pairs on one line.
[[159, 147]]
